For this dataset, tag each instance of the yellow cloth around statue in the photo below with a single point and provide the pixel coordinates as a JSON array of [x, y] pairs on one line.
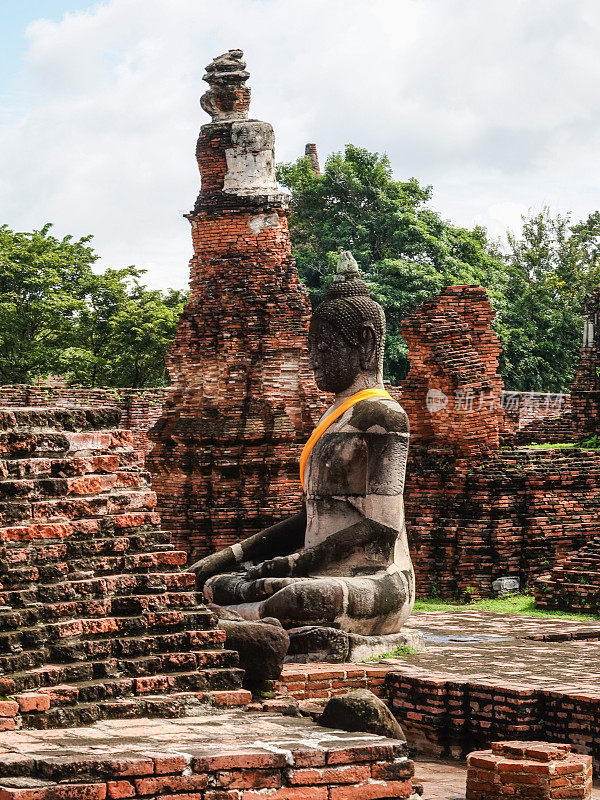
[[364, 394]]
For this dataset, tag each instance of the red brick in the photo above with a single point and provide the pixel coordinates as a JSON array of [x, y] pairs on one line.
[[248, 779], [168, 784], [352, 773], [289, 793], [120, 789], [33, 702], [8, 708], [372, 791], [238, 759]]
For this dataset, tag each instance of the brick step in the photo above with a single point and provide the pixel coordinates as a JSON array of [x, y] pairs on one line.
[[100, 588], [91, 506], [169, 620], [198, 665], [69, 510], [81, 531], [132, 605], [119, 585], [105, 637], [100, 566], [102, 658], [48, 443], [22, 587], [580, 563], [57, 418], [34, 467], [578, 576], [212, 670], [50, 555], [92, 484], [25, 661], [177, 703]]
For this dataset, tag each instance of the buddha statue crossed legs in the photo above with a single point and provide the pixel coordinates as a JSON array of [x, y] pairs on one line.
[[343, 562]]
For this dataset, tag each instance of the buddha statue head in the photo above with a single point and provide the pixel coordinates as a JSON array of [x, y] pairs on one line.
[[347, 333]]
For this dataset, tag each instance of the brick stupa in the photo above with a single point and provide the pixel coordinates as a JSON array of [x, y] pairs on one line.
[[244, 400]]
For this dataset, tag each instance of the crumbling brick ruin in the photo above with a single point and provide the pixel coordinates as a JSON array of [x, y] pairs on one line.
[[528, 771], [97, 617], [476, 513], [452, 392], [244, 400]]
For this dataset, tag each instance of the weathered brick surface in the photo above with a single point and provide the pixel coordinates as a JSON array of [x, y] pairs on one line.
[[529, 770], [574, 583], [321, 681], [140, 408], [96, 614], [243, 399], [229, 756], [453, 354], [515, 513], [451, 716]]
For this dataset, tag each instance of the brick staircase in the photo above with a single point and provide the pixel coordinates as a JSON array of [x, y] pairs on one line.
[[97, 617], [573, 584]]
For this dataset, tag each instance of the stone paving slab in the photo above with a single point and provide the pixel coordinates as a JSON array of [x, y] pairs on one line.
[[515, 650], [463, 621]]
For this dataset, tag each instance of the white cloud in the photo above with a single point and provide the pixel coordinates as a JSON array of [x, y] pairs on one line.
[[495, 103]]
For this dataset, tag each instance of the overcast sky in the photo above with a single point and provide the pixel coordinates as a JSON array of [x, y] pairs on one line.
[[496, 103]]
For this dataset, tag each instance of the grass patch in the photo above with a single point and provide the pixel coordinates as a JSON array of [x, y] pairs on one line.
[[398, 652], [591, 443], [522, 604], [553, 445]]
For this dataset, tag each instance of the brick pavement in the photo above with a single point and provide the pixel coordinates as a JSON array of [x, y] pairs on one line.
[[231, 755]]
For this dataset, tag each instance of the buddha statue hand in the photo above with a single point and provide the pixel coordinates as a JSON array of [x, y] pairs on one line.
[[279, 567]]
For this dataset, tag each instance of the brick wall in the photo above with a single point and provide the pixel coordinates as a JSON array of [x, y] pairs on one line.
[[515, 513], [447, 715], [322, 681], [452, 393]]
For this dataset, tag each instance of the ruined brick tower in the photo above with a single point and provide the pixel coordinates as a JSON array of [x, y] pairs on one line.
[[225, 463], [585, 389]]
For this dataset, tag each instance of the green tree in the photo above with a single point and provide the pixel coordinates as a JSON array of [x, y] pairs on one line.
[[406, 251], [40, 299], [550, 268], [58, 316]]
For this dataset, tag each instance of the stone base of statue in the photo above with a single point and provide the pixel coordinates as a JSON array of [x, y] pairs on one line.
[[313, 643]]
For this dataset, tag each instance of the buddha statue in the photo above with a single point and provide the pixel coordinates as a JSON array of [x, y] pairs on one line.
[[343, 561]]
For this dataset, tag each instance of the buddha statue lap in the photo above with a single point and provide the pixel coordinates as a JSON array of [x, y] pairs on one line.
[[342, 563]]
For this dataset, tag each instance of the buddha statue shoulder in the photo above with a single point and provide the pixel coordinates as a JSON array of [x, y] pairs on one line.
[[343, 561]]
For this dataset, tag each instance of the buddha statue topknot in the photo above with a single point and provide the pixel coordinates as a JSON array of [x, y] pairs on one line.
[[341, 567]]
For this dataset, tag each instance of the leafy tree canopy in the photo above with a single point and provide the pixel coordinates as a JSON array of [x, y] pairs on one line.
[[550, 269], [57, 316], [406, 251]]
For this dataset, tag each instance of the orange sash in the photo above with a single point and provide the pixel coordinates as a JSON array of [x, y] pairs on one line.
[[364, 394]]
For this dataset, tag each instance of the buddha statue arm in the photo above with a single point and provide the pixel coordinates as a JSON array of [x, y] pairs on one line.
[[280, 539], [370, 540]]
